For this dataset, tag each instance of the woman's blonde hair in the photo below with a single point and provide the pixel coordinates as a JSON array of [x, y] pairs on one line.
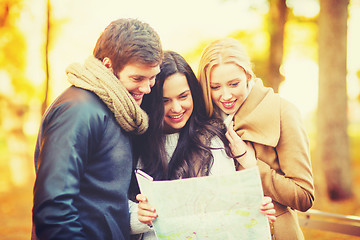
[[227, 50]]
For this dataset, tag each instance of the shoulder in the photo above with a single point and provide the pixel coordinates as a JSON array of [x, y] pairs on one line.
[[77, 101], [217, 143], [210, 132], [213, 127], [77, 108], [218, 123], [289, 111], [291, 121], [79, 98]]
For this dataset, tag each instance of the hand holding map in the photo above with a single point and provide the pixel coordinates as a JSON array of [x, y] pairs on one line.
[[213, 207]]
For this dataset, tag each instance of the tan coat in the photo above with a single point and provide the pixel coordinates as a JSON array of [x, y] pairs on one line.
[[275, 128]]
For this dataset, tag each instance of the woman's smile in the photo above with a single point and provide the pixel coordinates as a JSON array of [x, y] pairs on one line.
[[177, 118], [229, 105]]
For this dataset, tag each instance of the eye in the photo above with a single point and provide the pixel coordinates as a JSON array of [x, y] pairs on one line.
[[184, 96], [138, 79], [235, 84], [214, 87]]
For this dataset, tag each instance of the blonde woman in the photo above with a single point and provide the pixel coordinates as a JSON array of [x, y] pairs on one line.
[[264, 122]]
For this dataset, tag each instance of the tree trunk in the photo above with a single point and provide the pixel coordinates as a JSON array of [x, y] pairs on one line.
[[333, 141], [47, 79], [277, 14]]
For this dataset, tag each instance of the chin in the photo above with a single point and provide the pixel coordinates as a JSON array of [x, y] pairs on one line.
[[227, 111]]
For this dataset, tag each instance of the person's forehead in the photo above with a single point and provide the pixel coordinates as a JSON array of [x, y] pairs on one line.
[[175, 85], [221, 72], [141, 69]]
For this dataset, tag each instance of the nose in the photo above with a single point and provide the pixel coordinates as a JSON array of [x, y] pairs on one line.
[[176, 107], [146, 86], [226, 94]]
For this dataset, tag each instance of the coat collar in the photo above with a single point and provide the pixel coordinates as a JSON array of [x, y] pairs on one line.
[[258, 119]]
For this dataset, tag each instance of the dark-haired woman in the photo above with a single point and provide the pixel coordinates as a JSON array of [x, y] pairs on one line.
[[181, 141]]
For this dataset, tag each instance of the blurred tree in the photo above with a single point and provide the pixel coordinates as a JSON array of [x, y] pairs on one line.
[[13, 47], [277, 19], [15, 93], [333, 142], [358, 76]]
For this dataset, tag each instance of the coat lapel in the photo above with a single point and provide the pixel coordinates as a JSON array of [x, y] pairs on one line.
[[258, 120]]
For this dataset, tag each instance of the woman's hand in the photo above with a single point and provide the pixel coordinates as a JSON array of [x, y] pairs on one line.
[[146, 213], [267, 208], [240, 148]]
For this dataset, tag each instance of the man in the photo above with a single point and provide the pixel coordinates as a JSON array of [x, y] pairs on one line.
[[83, 155]]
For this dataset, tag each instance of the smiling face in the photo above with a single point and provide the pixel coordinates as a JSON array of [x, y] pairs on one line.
[[178, 102], [228, 83], [138, 79]]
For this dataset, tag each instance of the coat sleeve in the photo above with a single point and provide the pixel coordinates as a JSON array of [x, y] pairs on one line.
[[63, 145], [293, 185], [136, 227]]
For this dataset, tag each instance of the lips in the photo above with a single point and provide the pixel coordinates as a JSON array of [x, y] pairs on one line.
[[137, 97], [177, 118], [228, 105]]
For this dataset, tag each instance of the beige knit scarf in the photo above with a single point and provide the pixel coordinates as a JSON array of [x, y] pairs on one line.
[[95, 77]]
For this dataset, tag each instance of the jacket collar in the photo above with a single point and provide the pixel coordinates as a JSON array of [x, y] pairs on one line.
[[258, 119]]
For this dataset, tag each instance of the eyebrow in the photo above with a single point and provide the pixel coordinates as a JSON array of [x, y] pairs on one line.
[[186, 91], [234, 79], [141, 76]]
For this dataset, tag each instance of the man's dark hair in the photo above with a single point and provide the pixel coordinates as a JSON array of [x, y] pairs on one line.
[[126, 41]]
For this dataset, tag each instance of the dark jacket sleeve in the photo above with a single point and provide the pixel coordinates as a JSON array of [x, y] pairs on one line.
[[60, 157]]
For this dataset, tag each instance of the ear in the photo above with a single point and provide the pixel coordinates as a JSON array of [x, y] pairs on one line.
[[107, 62], [248, 76]]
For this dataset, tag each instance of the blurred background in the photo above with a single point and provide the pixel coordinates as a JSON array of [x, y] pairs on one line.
[[306, 50]]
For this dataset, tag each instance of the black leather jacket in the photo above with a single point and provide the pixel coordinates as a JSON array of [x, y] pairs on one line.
[[83, 163]]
